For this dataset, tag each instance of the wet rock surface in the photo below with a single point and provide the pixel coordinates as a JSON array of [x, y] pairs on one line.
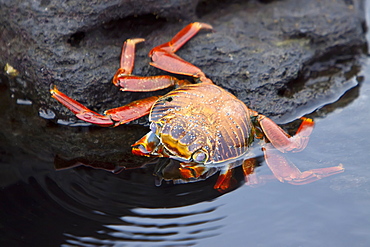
[[276, 56]]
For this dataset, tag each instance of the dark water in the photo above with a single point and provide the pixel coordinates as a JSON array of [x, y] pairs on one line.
[[87, 207]]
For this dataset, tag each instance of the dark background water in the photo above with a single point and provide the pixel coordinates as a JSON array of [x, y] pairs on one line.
[[40, 206]]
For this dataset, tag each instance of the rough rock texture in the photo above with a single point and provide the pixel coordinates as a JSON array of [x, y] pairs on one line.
[[276, 56], [255, 51]]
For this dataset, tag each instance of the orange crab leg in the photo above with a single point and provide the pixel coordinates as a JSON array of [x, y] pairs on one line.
[[248, 170], [81, 111], [281, 140], [182, 37], [164, 57], [131, 111], [112, 117], [224, 180], [128, 55], [128, 82], [285, 171]]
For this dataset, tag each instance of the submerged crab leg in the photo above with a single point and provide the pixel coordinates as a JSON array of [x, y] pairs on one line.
[[285, 171], [112, 117], [248, 170], [281, 142], [164, 57], [128, 82]]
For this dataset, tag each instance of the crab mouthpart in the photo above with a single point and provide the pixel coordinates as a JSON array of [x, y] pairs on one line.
[[194, 171]]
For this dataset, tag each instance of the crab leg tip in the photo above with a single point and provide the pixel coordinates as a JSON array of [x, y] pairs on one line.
[[307, 121], [136, 40], [203, 25], [53, 89]]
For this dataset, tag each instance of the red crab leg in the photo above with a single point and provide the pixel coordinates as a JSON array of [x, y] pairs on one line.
[[282, 169], [128, 82], [164, 57], [281, 140], [112, 117], [128, 55], [285, 171]]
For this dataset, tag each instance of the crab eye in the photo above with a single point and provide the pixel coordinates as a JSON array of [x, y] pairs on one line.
[[200, 156]]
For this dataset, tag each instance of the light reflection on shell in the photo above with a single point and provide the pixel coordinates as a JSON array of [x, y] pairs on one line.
[[204, 116]]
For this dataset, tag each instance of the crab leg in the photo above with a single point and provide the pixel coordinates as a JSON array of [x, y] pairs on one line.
[[128, 55], [128, 82], [248, 170], [282, 169], [112, 117], [164, 57], [285, 171], [281, 140], [224, 179]]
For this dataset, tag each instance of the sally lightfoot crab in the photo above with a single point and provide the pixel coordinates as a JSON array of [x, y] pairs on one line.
[[201, 125]]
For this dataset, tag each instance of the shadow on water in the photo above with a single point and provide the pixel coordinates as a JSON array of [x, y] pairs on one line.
[[83, 206]]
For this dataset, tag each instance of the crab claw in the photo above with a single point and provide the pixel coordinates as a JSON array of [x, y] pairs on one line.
[[146, 145]]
